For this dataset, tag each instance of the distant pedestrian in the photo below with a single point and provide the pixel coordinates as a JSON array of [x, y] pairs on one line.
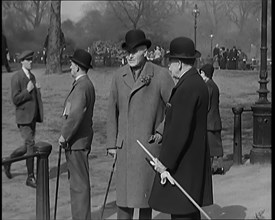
[[5, 53], [77, 134], [214, 123], [26, 97]]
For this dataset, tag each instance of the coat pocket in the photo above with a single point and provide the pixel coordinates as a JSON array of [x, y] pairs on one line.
[[119, 141]]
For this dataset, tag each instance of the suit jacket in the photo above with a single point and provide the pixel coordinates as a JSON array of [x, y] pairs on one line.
[[213, 117], [136, 109], [78, 108], [184, 149], [28, 105]]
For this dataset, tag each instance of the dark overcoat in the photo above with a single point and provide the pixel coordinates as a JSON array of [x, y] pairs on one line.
[[184, 149], [79, 106], [214, 123], [28, 104], [136, 109]]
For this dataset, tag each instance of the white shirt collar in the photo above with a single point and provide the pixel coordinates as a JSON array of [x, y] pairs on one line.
[[26, 72], [76, 78]]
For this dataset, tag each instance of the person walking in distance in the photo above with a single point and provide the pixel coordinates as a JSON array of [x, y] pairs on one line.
[[26, 97], [77, 134], [138, 97]]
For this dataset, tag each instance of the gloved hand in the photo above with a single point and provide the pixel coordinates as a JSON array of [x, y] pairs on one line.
[[158, 166], [164, 176], [157, 137]]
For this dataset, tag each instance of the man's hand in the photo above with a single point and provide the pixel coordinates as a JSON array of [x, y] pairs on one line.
[[158, 166], [30, 86], [157, 137], [164, 176], [111, 151]]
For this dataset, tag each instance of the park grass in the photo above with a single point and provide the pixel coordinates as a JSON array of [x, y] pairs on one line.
[[237, 88]]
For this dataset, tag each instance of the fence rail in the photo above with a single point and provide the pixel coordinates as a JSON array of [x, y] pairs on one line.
[[42, 152]]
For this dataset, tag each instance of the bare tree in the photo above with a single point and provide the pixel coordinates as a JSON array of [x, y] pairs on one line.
[[33, 11], [53, 64]]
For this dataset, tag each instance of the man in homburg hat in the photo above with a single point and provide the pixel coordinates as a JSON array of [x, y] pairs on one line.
[[184, 151], [138, 96], [77, 134], [214, 123], [26, 96]]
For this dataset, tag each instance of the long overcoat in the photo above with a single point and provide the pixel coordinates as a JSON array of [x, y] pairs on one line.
[[27, 104], [214, 123], [136, 109], [184, 149]]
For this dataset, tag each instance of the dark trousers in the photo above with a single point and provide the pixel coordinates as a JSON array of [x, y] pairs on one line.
[[191, 216], [80, 192], [27, 132], [127, 213]]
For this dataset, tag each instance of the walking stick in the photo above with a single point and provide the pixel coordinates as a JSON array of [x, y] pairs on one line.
[[57, 181], [108, 187], [177, 184]]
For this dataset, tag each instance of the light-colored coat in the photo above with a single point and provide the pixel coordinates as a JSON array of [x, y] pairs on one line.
[[135, 111]]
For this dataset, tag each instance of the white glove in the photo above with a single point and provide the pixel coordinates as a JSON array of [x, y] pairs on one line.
[[164, 176]]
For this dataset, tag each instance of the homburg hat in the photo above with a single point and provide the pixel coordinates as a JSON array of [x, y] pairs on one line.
[[82, 58], [27, 54], [183, 48], [135, 38]]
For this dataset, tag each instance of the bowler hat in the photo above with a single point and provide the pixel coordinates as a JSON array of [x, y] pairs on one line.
[[134, 38], [27, 54], [208, 70], [183, 47], [82, 58]]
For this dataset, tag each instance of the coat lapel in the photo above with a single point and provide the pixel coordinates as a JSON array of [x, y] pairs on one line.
[[128, 77], [146, 71]]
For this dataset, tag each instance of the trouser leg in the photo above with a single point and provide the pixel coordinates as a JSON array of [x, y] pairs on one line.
[[125, 213], [145, 213], [78, 168], [28, 134]]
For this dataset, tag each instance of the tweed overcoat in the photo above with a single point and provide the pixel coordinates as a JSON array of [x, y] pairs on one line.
[[214, 124], [79, 106], [28, 104], [184, 149], [136, 109]]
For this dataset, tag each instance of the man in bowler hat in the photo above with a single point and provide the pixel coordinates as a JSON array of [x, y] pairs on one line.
[[77, 134], [184, 151], [5, 51], [214, 123], [26, 96], [138, 96]]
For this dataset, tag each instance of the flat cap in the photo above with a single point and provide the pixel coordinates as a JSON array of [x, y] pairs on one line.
[[25, 55]]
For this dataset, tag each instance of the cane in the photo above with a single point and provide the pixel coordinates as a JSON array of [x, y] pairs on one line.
[[177, 184], [57, 181], [108, 187]]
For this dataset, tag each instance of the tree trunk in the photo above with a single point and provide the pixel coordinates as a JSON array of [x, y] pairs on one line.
[[53, 65]]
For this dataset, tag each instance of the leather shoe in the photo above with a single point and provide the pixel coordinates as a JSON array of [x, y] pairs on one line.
[[7, 168], [31, 181], [219, 171]]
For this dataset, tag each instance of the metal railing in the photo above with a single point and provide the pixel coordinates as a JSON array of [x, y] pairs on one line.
[[42, 152], [237, 134]]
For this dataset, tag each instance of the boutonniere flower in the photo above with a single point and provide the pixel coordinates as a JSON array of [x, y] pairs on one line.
[[146, 80], [168, 105]]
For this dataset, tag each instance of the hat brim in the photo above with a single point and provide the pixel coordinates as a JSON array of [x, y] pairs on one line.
[[80, 63], [182, 56], [127, 47]]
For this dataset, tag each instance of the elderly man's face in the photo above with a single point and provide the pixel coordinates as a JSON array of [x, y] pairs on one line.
[[136, 56], [174, 66]]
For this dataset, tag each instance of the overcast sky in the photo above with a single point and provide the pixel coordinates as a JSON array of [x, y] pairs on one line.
[[72, 10]]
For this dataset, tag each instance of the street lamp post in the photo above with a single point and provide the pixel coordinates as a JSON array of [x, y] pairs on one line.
[[211, 38], [261, 148], [195, 13]]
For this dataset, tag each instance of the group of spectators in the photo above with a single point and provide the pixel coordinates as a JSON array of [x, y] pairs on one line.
[[232, 59]]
